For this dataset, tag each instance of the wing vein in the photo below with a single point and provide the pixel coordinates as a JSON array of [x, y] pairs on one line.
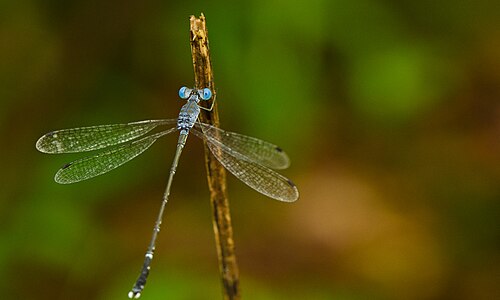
[[105, 161], [256, 176], [96, 137]]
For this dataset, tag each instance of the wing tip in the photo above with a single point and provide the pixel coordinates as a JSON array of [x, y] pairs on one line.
[[294, 196], [39, 143], [48, 143], [285, 160], [60, 178]]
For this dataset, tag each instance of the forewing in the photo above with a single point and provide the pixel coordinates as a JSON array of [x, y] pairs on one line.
[[105, 161], [258, 177], [253, 149], [95, 137]]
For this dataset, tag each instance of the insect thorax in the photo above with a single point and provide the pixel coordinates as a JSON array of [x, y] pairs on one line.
[[188, 115]]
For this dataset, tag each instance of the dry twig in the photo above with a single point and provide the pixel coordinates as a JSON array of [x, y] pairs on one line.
[[216, 174]]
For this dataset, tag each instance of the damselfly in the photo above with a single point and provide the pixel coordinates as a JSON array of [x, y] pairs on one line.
[[247, 158]]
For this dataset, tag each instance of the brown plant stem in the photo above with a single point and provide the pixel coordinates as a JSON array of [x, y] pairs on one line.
[[216, 174]]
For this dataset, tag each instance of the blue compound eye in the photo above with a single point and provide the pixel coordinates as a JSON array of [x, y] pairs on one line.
[[206, 94], [184, 92]]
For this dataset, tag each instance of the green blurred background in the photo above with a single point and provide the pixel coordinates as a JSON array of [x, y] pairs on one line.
[[389, 110]]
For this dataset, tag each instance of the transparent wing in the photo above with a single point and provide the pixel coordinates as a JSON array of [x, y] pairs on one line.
[[256, 176], [95, 137], [105, 161], [256, 150]]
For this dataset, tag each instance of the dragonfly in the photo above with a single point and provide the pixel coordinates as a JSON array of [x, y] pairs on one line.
[[249, 159]]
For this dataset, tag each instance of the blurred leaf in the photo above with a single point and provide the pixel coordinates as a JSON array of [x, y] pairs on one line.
[[397, 84]]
